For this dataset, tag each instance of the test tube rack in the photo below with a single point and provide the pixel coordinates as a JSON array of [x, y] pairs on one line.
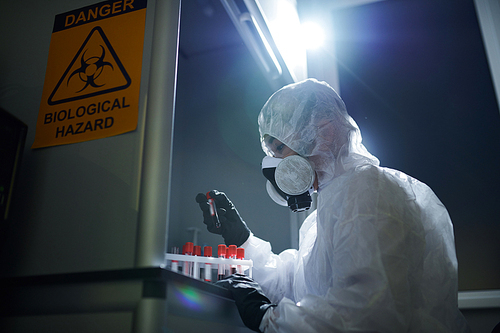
[[245, 264]]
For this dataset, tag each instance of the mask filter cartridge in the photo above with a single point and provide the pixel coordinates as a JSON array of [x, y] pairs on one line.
[[290, 181]]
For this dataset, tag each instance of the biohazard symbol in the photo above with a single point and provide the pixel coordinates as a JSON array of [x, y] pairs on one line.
[[95, 70], [90, 70]]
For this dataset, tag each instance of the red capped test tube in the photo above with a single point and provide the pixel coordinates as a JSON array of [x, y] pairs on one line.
[[197, 250], [196, 265], [189, 248], [221, 253], [188, 265], [207, 252], [213, 210], [232, 255]]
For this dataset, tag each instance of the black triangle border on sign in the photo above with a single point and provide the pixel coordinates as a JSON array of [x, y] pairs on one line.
[[115, 57]]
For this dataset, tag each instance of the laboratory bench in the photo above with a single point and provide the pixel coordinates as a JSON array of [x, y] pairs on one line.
[[140, 300]]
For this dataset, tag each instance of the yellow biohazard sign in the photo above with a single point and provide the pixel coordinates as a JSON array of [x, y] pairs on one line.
[[92, 82]]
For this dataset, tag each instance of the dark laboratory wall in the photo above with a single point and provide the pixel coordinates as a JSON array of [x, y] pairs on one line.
[[75, 206], [415, 77], [216, 141]]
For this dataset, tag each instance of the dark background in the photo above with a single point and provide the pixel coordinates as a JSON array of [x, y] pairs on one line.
[[415, 77]]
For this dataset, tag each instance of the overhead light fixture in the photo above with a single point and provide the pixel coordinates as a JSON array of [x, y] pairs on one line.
[[312, 35], [271, 30]]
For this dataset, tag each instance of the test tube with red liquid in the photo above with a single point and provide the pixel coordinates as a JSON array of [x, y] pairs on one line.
[[213, 211], [232, 255]]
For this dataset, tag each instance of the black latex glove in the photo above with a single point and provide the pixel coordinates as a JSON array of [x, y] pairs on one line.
[[251, 302], [233, 229]]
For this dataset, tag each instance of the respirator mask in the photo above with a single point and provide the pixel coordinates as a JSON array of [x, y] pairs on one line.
[[289, 181]]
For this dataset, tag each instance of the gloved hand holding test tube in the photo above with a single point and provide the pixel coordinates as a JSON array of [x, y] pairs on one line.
[[221, 217]]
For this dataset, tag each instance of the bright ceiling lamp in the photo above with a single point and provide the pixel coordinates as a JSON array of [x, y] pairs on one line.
[[284, 25], [312, 35]]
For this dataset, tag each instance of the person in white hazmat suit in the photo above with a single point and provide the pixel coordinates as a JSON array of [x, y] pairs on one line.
[[377, 255]]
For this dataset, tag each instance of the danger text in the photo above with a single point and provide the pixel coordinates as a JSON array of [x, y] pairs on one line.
[[96, 13]]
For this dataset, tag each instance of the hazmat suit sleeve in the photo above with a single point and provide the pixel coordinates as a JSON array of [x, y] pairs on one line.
[[360, 266], [273, 271]]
